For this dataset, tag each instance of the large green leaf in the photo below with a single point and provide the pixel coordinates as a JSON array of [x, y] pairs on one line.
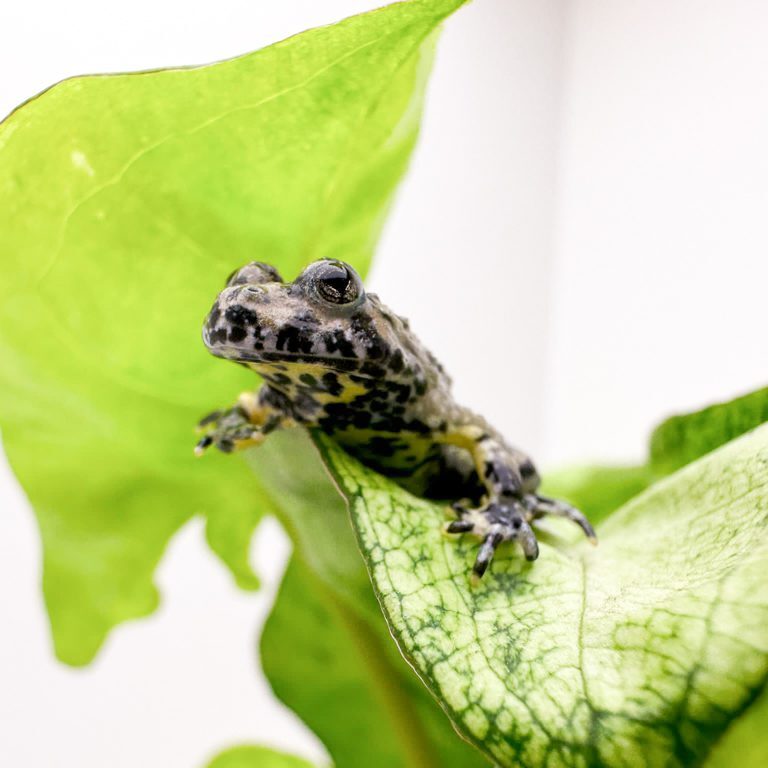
[[640, 652], [325, 647], [124, 202]]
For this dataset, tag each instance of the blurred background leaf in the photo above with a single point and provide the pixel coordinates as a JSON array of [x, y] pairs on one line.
[[683, 438], [256, 757], [597, 491], [600, 490], [125, 200]]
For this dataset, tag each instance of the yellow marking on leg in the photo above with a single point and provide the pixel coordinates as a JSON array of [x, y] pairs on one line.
[[259, 414], [467, 437]]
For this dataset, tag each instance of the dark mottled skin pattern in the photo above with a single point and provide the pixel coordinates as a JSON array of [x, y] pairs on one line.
[[333, 356]]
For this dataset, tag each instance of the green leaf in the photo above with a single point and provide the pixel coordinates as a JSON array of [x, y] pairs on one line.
[[597, 491], [641, 651], [125, 200], [681, 439], [256, 757], [744, 744], [325, 647], [343, 675]]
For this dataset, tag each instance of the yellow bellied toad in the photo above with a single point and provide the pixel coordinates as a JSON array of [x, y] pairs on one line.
[[334, 357]]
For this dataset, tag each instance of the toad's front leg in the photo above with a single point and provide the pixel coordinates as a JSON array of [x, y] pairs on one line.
[[511, 503], [245, 424]]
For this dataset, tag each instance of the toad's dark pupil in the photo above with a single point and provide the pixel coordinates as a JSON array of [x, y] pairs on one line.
[[335, 284]]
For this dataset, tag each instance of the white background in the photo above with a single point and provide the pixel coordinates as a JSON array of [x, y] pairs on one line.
[[582, 239]]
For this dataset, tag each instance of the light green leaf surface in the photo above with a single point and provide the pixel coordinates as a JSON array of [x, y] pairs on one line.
[[325, 647], [125, 200], [256, 757], [639, 652]]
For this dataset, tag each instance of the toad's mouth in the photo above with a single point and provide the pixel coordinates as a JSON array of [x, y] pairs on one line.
[[268, 358], [260, 344]]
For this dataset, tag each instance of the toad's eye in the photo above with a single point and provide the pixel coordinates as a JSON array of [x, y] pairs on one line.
[[336, 282]]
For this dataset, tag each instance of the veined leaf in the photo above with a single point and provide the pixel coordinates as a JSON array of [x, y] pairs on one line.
[[638, 652], [330, 577], [125, 200]]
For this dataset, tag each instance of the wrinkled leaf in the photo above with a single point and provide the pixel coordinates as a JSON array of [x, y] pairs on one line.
[[125, 200], [256, 757], [638, 652], [325, 647]]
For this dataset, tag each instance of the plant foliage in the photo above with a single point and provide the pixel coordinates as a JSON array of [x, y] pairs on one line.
[[124, 201]]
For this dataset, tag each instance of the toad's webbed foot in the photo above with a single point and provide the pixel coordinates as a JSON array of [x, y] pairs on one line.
[[497, 521], [228, 430], [509, 519], [245, 424]]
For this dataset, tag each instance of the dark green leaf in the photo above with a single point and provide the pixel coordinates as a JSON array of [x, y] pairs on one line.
[[744, 744], [682, 439]]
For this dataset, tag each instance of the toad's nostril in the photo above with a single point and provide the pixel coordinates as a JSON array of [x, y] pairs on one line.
[[254, 289]]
